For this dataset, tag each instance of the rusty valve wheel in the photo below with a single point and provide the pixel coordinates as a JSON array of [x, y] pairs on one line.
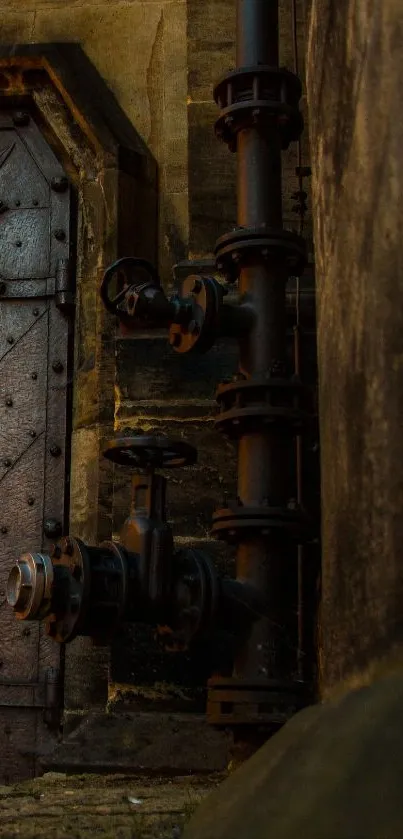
[[128, 266], [146, 452]]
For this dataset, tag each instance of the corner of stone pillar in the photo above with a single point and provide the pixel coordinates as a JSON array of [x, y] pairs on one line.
[[86, 666]]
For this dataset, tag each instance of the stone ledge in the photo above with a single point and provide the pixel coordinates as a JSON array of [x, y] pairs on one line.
[[156, 743]]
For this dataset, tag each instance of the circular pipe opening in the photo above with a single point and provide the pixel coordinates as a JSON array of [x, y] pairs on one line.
[[18, 587]]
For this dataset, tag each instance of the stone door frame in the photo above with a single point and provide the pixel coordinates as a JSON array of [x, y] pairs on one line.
[[112, 173]]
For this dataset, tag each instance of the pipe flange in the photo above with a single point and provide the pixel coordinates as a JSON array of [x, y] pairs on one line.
[[199, 331], [52, 588], [244, 245], [259, 96], [257, 403], [107, 604], [235, 521], [90, 591], [195, 603], [77, 590], [29, 586], [255, 418], [258, 388], [71, 590]]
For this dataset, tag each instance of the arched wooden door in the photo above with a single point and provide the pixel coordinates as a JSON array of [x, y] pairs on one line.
[[35, 341]]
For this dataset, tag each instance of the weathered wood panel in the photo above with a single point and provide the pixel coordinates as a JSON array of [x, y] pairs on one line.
[[355, 66]]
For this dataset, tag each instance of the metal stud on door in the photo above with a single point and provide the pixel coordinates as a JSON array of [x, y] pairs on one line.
[[36, 307]]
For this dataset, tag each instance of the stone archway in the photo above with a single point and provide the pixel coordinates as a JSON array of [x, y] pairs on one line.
[[112, 174]]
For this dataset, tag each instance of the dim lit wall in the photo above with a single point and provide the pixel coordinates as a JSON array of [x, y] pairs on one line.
[[160, 58], [211, 52], [140, 51]]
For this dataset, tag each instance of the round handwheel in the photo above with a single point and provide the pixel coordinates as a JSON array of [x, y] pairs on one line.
[[130, 266], [146, 452]]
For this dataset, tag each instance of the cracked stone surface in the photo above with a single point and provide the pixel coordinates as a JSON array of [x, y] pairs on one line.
[[59, 806]]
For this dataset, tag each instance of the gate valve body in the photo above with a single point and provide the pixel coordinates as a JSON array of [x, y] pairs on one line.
[[195, 316], [84, 590]]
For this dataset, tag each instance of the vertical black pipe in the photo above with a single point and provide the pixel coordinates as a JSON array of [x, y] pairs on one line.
[[259, 104], [257, 33], [258, 155], [262, 476]]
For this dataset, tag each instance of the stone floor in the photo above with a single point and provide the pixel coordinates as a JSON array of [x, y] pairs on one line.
[[59, 806]]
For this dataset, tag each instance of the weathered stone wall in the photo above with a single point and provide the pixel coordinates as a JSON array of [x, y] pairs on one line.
[[161, 58], [139, 49], [354, 75]]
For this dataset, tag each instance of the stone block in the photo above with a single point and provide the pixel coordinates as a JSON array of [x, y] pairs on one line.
[[175, 171], [212, 20], [118, 38], [211, 45], [174, 232], [89, 472], [211, 215], [144, 676], [97, 224], [212, 201], [16, 23], [85, 450], [207, 63], [169, 743], [39, 5], [175, 58], [150, 371], [197, 492], [86, 676]]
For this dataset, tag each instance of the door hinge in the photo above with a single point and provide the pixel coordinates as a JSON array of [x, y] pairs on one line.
[[64, 290], [61, 287]]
